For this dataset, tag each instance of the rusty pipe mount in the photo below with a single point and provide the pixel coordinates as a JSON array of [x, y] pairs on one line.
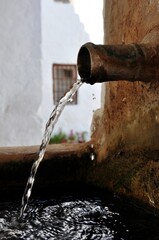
[[133, 62]]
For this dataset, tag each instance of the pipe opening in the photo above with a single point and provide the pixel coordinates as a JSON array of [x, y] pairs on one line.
[[84, 63]]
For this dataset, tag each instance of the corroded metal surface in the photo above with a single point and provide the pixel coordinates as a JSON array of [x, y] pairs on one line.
[[132, 62]]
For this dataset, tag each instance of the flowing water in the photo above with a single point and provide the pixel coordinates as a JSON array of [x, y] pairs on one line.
[[47, 134], [77, 217], [73, 217]]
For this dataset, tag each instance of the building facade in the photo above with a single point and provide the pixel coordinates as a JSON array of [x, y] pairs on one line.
[[36, 37]]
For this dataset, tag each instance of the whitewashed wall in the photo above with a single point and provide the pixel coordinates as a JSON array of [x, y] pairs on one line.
[[33, 36], [20, 74], [65, 27]]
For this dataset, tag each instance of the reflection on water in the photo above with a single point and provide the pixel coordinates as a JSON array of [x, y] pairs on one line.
[[74, 218]]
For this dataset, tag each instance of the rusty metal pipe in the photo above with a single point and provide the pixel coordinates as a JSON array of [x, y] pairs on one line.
[[133, 62]]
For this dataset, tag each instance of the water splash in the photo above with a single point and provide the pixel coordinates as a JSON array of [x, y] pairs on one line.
[[47, 134], [92, 155], [67, 217]]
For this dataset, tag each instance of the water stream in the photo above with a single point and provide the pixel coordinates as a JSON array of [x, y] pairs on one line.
[[47, 134], [80, 216]]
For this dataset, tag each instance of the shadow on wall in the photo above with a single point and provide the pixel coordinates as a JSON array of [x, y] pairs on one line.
[[62, 48]]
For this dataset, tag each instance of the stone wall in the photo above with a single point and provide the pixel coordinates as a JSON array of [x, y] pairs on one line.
[[130, 120], [126, 128]]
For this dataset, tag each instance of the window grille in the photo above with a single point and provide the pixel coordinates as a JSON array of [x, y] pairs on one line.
[[64, 76]]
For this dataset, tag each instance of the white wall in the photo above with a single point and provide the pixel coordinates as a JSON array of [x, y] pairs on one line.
[[33, 36], [91, 15], [20, 74], [65, 28]]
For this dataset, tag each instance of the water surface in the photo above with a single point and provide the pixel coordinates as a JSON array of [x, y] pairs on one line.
[[77, 217]]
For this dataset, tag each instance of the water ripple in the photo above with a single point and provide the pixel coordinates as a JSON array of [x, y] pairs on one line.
[[61, 219]]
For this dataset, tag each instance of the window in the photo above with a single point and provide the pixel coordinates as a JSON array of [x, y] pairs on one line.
[[64, 76]]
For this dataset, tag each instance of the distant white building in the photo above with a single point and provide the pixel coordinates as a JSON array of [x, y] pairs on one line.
[[39, 43]]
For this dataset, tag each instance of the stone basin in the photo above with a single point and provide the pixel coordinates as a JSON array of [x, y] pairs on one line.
[[69, 166], [63, 164]]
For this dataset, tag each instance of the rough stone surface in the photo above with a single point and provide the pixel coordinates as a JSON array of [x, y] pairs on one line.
[[131, 110], [128, 133], [63, 165]]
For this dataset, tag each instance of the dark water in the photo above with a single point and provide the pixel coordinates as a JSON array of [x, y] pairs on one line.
[[77, 218]]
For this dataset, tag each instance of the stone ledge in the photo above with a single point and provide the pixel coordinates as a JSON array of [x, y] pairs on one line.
[[63, 164]]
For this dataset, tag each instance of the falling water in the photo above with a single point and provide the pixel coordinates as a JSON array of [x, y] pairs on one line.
[[47, 134], [92, 155]]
